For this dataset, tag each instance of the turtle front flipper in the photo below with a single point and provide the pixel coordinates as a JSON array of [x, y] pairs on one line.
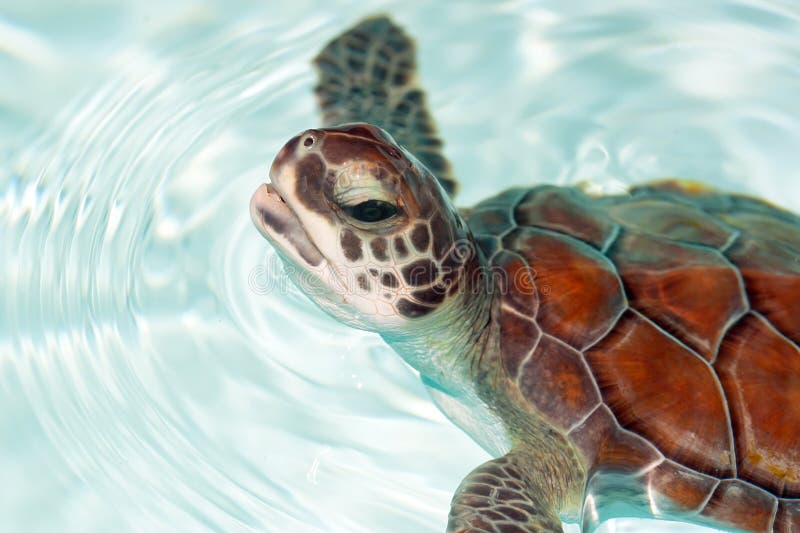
[[367, 74], [497, 497]]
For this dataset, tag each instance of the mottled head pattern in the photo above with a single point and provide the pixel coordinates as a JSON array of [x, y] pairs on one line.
[[351, 209]]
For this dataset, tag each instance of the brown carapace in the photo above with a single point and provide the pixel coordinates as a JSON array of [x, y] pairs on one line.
[[662, 338], [652, 335]]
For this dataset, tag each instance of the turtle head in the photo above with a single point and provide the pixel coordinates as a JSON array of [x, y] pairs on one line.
[[364, 229]]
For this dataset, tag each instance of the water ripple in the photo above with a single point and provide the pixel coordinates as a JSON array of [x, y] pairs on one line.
[[156, 367]]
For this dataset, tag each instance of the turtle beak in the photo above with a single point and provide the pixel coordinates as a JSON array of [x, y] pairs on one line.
[[269, 212], [274, 216], [276, 221]]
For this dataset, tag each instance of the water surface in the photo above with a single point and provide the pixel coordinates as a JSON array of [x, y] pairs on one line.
[[156, 370]]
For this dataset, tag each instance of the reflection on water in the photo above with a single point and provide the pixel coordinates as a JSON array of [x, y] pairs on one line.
[[155, 368]]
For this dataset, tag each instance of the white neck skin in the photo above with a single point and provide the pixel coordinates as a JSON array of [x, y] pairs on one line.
[[451, 352], [446, 346]]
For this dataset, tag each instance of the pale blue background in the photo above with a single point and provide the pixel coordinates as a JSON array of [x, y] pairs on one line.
[[156, 371]]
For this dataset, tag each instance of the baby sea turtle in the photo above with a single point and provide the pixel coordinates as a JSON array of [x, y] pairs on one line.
[[647, 341]]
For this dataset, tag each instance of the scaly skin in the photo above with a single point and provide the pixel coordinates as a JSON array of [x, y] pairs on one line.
[[643, 344], [439, 316]]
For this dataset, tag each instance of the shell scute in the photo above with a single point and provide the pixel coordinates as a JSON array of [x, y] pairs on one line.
[[672, 221], [735, 502], [490, 220], [740, 204], [765, 227], [772, 278], [606, 446], [677, 487], [515, 282], [710, 200], [567, 211], [688, 192], [760, 372], [673, 186], [518, 336], [488, 244], [684, 415], [580, 295], [557, 381], [693, 347], [693, 292], [787, 520]]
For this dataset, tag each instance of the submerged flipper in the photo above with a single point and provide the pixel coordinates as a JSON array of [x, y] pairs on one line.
[[367, 74], [496, 498]]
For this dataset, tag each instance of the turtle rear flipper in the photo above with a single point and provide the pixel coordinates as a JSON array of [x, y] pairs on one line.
[[367, 74]]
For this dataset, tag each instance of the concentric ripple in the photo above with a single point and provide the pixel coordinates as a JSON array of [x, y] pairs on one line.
[[157, 370]]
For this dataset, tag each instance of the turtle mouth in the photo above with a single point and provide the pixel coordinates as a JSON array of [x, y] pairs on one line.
[[279, 224]]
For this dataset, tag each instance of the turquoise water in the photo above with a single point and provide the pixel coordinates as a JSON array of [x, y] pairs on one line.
[[156, 371]]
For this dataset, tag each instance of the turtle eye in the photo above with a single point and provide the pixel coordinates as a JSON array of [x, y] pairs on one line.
[[371, 211]]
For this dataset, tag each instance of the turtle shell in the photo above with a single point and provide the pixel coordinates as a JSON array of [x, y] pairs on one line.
[[660, 331]]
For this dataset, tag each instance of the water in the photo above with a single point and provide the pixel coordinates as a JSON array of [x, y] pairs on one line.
[[156, 372]]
